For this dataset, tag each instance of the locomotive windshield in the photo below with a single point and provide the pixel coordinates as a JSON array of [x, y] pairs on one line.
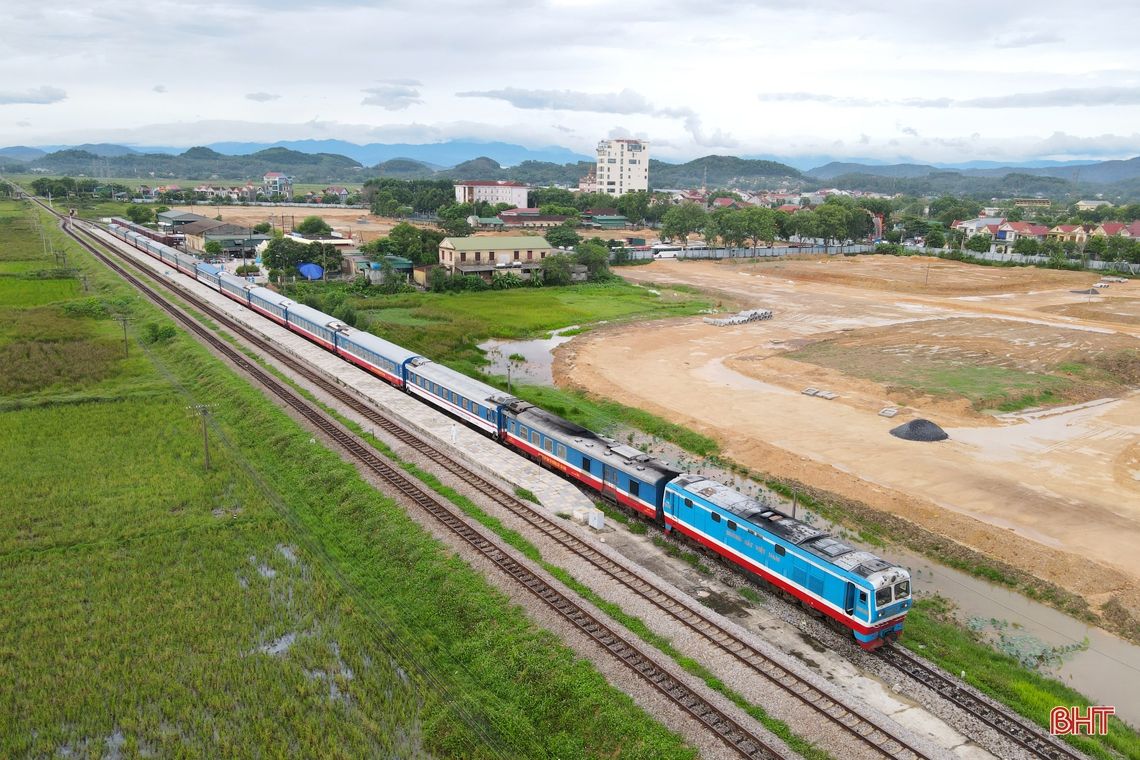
[[902, 590], [883, 596]]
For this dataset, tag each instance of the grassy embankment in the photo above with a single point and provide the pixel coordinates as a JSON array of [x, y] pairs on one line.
[[274, 605], [447, 327]]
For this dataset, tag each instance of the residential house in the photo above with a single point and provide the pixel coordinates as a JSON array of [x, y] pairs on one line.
[[1066, 233], [340, 192], [530, 218], [1091, 205], [195, 232], [490, 255], [493, 192], [589, 183], [982, 225], [1109, 229], [276, 183], [1011, 232]]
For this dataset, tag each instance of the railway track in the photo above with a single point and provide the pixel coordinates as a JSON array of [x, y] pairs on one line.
[[1028, 737], [860, 729], [745, 742]]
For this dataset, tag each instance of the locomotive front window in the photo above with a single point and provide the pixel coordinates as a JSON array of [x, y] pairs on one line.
[[902, 590], [883, 597]]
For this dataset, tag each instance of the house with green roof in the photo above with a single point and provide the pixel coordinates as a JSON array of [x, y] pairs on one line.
[[491, 255]]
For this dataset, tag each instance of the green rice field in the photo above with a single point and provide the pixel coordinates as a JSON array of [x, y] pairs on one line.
[[274, 605]]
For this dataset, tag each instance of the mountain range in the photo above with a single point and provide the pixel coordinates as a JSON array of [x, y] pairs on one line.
[[314, 161]]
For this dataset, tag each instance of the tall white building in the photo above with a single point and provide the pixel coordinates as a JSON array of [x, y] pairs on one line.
[[623, 166], [492, 191]]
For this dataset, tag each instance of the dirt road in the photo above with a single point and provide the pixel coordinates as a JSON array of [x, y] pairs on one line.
[[1045, 491]]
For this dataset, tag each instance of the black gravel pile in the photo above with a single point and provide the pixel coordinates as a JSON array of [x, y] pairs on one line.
[[919, 430]]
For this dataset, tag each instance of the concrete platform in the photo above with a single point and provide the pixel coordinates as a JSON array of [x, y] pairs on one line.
[[478, 452]]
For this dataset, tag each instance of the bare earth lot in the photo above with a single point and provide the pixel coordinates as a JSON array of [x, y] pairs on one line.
[[1055, 491]]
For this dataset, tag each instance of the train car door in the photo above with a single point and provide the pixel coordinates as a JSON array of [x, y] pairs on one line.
[[609, 479], [849, 599]]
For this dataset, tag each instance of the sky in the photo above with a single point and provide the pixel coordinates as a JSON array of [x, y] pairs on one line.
[[888, 81]]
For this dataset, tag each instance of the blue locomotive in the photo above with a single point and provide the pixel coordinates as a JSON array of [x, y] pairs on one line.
[[857, 589]]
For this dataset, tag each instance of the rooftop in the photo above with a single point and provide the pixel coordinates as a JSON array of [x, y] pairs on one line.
[[495, 243], [493, 183]]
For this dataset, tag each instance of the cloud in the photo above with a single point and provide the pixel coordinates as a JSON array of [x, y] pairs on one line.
[[159, 88], [1067, 97], [23, 123], [909, 131], [261, 97], [1028, 40], [42, 95], [627, 102], [393, 94]]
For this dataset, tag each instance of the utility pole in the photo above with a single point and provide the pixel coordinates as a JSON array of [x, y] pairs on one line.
[[203, 411], [123, 319]]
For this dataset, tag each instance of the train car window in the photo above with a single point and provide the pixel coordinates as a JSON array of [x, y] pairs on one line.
[[634, 488], [586, 464], [715, 516], [535, 437], [561, 451], [902, 590], [731, 525], [883, 596], [548, 445], [781, 550]]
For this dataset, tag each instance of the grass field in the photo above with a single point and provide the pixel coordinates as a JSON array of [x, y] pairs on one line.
[[273, 606], [447, 327]]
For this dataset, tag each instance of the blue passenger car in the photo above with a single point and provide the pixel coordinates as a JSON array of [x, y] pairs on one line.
[[856, 588], [376, 355], [273, 305], [622, 473], [209, 274]]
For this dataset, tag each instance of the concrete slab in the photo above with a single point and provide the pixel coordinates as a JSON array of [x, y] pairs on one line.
[[478, 452]]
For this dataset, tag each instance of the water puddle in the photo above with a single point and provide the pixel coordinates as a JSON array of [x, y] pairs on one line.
[[527, 361]]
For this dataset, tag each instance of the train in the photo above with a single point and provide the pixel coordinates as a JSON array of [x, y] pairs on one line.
[[858, 590]]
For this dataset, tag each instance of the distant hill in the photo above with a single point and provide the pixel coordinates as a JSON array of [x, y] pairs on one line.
[[837, 168], [719, 171], [404, 168], [477, 168], [22, 153], [438, 155]]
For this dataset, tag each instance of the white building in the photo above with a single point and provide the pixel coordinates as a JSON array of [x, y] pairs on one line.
[[623, 166], [276, 183], [491, 191]]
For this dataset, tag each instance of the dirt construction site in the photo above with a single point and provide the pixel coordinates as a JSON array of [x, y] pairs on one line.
[[1032, 373]]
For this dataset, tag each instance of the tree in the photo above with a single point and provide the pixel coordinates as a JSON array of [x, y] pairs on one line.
[[140, 214], [1096, 246], [1026, 246], [213, 247], [595, 256], [935, 238], [284, 254], [262, 228], [948, 208], [437, 279], [456, 227], [556, 269], [760, 225], [681, 221], [634, 206], [832, 221], [979, 243], [563, 236], [313, 225]]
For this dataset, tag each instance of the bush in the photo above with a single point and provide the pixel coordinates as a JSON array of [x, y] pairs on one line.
[[155, 332], [245, 269], [893, 249]]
